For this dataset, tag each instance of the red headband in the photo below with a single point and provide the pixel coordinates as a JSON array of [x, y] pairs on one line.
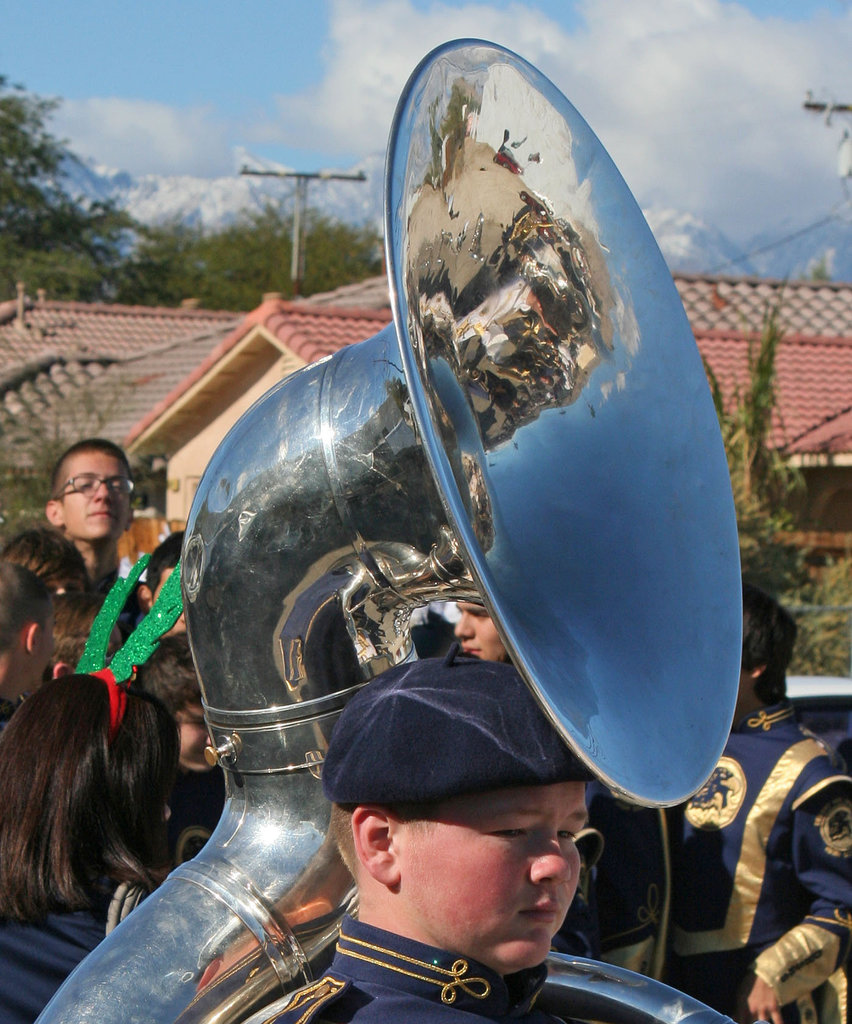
[[117, 700]]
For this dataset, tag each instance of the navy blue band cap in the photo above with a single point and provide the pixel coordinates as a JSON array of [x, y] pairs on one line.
[[432, 729]]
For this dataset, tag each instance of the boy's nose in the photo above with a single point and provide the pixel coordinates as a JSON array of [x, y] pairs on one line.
[[559, 864]]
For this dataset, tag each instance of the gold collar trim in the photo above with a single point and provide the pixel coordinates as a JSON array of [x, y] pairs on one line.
[[765, 721], [449, 980]]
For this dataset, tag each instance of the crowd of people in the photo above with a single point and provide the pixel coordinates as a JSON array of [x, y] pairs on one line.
[[470, 867], [106, 787]]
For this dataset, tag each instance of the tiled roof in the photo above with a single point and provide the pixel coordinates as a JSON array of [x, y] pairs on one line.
[[310, 332], [813, 362], [814, 308], [71, 369], [371, 293], [137, 361], [78, 330]]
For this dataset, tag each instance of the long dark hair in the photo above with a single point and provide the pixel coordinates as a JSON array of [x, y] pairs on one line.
[[76, 809]]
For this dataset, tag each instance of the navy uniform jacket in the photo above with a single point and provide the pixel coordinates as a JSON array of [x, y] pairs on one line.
[[763, 872], [632, 881], [37, 958], [377, 976]]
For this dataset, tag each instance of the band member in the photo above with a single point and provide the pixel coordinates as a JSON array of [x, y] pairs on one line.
[[455, 806], [763, 872]]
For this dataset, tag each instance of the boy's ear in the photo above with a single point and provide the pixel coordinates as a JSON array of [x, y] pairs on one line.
[[55, 513], [31, 635], [61, 668], [373, 832], [145, 597]]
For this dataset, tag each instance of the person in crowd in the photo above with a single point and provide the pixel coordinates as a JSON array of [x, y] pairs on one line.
[[74, 615], [89, 503], [164, 559], [86, 767], [477, 634], [632, 882], [762, 897], [26, 634], [51, 556], [457, 821], [198, 796]]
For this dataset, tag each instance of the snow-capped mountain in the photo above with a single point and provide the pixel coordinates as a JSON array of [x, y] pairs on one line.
[[688, 244]]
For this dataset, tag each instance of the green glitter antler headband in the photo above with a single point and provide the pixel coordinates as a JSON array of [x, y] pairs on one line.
[[145, 639]]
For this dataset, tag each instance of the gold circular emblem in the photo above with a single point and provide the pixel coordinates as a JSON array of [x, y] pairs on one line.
[[835, 826], [715, 805]]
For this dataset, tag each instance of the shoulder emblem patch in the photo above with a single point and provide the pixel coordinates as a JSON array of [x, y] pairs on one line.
[[716, 804], [835, 826]]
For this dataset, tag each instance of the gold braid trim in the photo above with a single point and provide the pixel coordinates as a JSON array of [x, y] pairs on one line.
[[800, 961], [312, 998], [450, 980], [764, 721]]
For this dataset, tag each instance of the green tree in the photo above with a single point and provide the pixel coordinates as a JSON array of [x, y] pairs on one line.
[[231, 268], [762, 481], [764, 486], [47, 238]]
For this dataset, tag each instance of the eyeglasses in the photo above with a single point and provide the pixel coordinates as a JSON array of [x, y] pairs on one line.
[[87, 484]]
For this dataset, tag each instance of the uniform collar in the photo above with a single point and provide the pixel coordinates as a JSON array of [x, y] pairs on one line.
[[373, 955], [766, 719]]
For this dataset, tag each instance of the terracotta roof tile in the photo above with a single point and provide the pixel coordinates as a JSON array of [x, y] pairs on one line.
[[816, 308], [142, 359], [77, 330], [73, 368]]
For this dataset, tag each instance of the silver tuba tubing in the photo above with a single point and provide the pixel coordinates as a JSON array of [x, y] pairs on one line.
[[588, 990], [536, 429]]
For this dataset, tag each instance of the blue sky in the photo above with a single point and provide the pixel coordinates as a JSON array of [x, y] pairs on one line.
[[698, 101]]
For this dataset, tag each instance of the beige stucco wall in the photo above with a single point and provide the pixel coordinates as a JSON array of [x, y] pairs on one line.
[[188, 462]]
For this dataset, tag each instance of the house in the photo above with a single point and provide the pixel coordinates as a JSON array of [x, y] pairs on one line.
[[168, 384], [186, 426], [812, 424]]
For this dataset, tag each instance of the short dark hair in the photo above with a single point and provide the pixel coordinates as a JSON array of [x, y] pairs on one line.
[[769, 635], [76, 808], [169, 674], [165, 555], [23, 598], [89, 444], [50, 555], [73, 617]]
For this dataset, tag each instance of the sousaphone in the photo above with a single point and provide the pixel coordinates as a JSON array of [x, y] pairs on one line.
[[534, 430]]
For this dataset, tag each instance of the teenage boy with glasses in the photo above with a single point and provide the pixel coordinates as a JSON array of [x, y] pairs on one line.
[[90, 493]]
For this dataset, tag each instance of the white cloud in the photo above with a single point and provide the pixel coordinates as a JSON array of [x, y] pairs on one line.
[[700, 104], [146, 138], [698, 101], [373, 48]]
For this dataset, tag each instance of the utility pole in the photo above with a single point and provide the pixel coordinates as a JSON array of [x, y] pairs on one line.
[[826, 108], [844, 150], [297, 262]]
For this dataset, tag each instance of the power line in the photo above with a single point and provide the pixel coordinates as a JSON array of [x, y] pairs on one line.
[[832, 215], [297, 260]]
